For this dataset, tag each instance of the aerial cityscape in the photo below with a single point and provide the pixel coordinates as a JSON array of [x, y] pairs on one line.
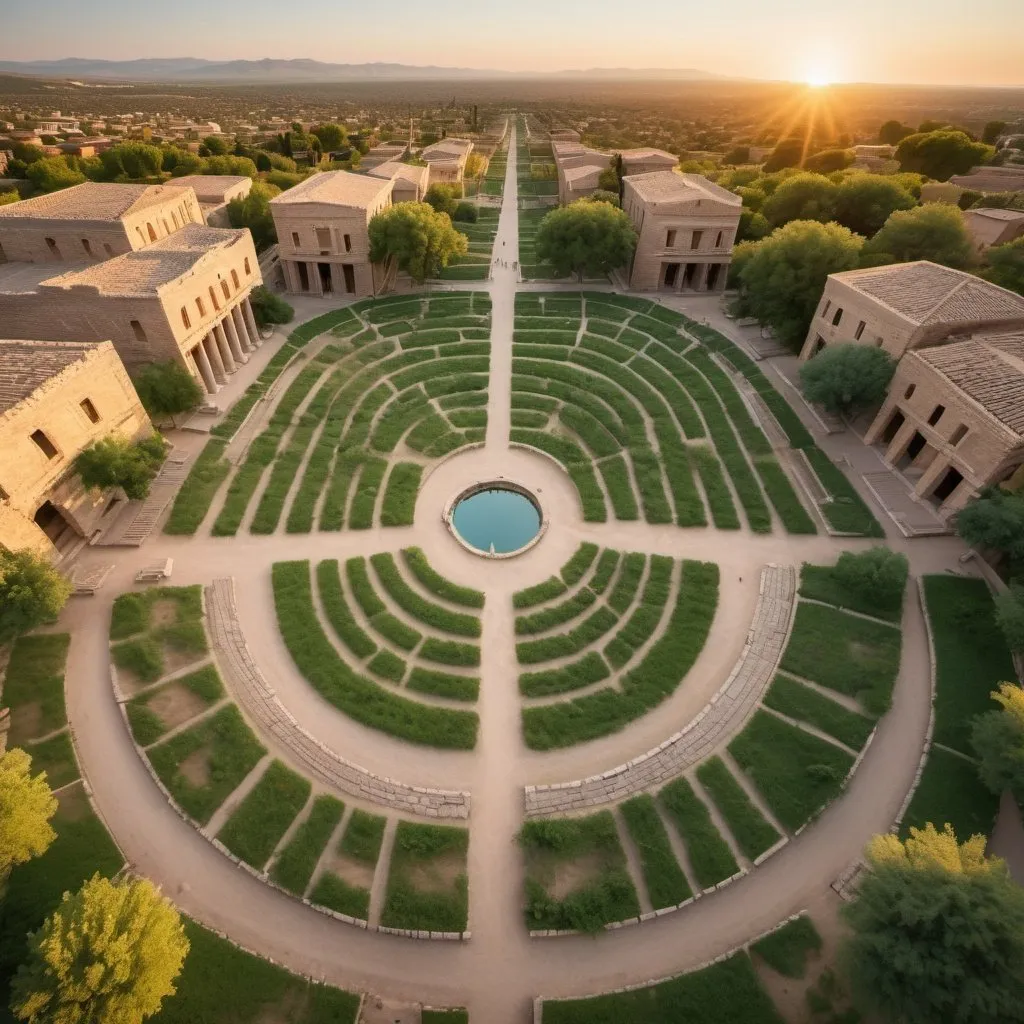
[[512, 517]]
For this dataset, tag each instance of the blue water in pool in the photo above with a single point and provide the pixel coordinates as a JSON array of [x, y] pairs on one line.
[[502, 519]]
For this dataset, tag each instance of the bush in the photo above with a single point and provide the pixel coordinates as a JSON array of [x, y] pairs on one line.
[[847, 378], [871, 582], [268, 308], [417, 562], [32, 592], [465, 212], [409, 601]]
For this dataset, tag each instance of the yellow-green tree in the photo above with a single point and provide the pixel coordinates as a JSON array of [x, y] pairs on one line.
[[109, 953], [26, 807], [938, 932], [998, 738]]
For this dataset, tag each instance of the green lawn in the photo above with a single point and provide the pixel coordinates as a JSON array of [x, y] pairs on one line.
[[950, 791], [752, 832], [786, 950], [710, 856], [663, 877], [844, 653], [583, 857], [148, 724], [971, 656], [34, 686], [798, 701], [819, 583], [796, 773], [428, 888], [294, 866], [204, 763], [724, 993]]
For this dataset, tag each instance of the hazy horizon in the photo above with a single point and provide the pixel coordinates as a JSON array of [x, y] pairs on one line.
[[919, 42]]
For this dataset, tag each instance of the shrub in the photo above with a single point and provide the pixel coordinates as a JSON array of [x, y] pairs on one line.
[[269, 308]]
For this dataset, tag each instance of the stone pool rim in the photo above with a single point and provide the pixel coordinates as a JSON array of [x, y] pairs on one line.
[[495, 484]]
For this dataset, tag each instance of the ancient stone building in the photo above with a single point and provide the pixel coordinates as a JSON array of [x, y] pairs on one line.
[[322, 233], [906, 306], [214, 192], [953, 421], [686, 226], [94, 221], [447, 160], [56, 398], [183, 298], [646, 161], [411, 182], [989, 227]]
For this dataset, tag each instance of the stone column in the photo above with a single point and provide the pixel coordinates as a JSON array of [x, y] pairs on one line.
[[233, 340], [205, 369], [898, 445], [315, 287], [702, 277], [238, 322], [931, 476], [224, 348], [250, 321], [210, 348]]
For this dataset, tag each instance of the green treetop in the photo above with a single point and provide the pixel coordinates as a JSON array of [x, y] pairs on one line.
[[586, 238]]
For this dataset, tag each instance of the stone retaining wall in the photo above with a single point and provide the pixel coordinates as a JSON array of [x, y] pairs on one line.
[[725, 713], [261, 703]]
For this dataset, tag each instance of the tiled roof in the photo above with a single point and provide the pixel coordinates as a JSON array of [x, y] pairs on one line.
[[646, 154], [27, 365], [445, 147], [928, 294], [143, 272], [209, 187], [989, 369], [407, 172], [669, 187], [991, 179], [92, 200], [343, 188], [1008, 216], [583, 176]]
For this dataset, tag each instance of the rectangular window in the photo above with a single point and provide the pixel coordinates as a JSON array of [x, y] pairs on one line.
[[718, 240], [44, 444], [670, 239], [295, 239], [323, 239], [958, 435], [140, 333], [860, 330], [936, 415], [107, 249], [348, 243], [90, 410], [234, 279], [200, 306], [837, 316], [828, 306], [86, 246], [697, 236], [186, 323], [909, 393]]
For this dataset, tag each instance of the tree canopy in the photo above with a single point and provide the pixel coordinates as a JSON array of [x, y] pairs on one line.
[[32, 592], [167, 389], [893, 132], [847, 378], [878, 575], [992, 131], [586, 239], [864, 202], [52, 174], [829, 160], [938, 932], [801, 197], [1006, 265], [994, 520], [444, 198], [109, 952], [787, 153], [268, 308], [934, 232], [421, 240], [1010, 616], [941, 154], [331, 136], [998, 739], [213, 145], [132, 160], [253, 212], [26, 807], [782, 276], [119, 462]]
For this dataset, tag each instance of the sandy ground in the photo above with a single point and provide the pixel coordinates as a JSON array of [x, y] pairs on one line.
[[499, 971]]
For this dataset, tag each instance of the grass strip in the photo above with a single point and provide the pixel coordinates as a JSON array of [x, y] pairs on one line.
[[806, 705], [437, 584], [294, 866], [751, 830], [710, 856], [666, 884]]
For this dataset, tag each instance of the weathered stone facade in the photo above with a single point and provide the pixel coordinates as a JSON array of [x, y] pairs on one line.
[[214, 192], [907, 306], [993, 227], [410, 182], [954, 417], [447, 160], [94, 221], [56, 399], [184, 298], [322, 233], [686, 226]]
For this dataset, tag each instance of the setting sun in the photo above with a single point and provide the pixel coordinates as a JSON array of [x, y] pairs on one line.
[[818, 80]]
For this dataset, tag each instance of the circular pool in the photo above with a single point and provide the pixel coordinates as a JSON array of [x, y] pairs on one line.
[[496, 519]]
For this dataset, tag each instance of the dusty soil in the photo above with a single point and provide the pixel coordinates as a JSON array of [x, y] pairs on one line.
[[291, 1007], [175, 704], [73, 803], [568, 875], [437, 875], [163, 613], [129, 682], [355, 872], [377, 1010], [175, 659], [196, 767], [26, 723]]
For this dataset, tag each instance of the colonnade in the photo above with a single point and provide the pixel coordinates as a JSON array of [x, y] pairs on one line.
[[226, 346]]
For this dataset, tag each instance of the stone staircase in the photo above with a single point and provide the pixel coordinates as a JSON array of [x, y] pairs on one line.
[[915, 518], [137, 520]]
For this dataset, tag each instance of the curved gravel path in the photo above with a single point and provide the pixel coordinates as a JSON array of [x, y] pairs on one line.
[[501, 969]]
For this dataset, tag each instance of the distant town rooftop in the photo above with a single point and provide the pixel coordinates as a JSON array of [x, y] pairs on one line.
[[209, 188], [989, 213], [342, 188], [92, 200], [408, 172], [991, 179], [144, 271], [26, 366], [988, 368], [926, 293]]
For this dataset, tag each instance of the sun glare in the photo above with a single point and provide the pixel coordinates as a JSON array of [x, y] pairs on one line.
[[818, 80]]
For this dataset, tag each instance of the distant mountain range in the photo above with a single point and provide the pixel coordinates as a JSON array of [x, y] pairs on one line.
[[195, 69]]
